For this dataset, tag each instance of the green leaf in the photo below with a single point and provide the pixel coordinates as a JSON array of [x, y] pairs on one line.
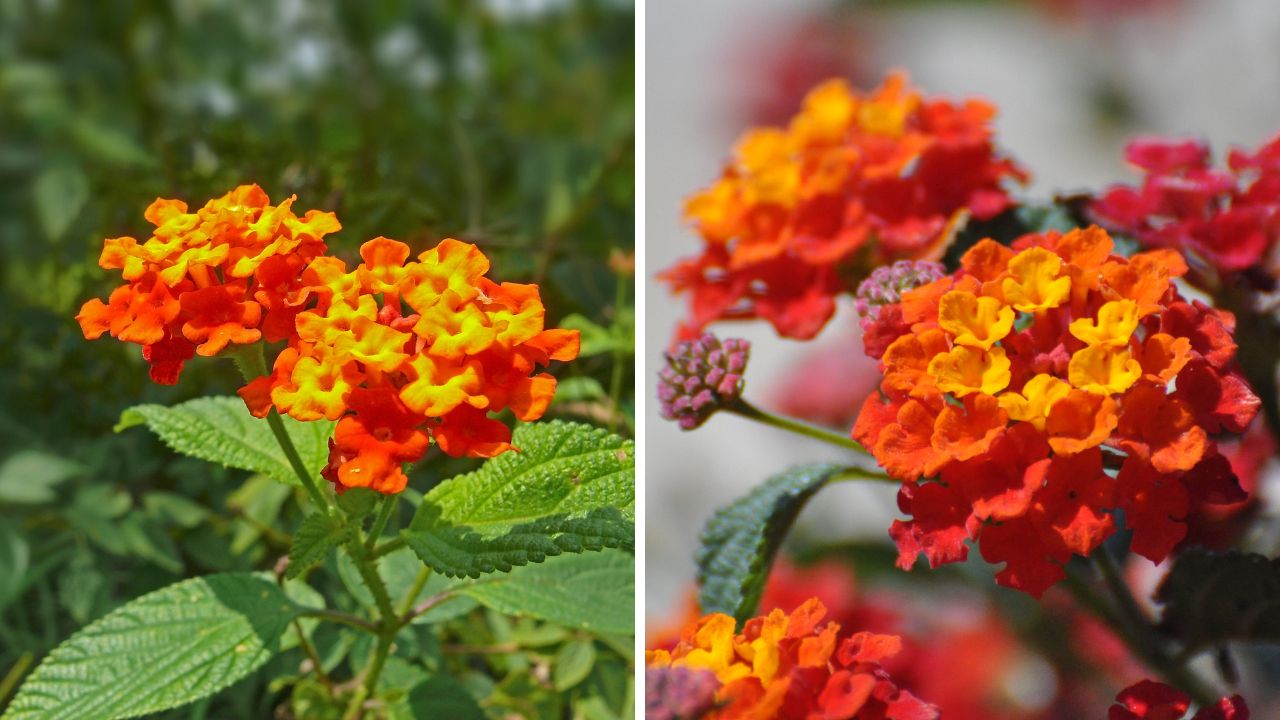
[[61, 191], [597, 339], [740, 540], [573, 663], [165, 649], [109, 145], [315, 537], [29, 477], [15, 558], [444, 697], [1211, 598], [358, 502], [398, 570], [571, 488], [593, 591], [221, 430]]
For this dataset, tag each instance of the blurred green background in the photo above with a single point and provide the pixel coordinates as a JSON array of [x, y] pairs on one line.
[[507, 123]]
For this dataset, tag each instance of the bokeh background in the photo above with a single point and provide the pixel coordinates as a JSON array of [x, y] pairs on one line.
[[507, 123], [1074, 80]]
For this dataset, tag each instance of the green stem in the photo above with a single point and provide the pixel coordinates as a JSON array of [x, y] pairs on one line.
[[379, 659], [406, 603], [387, 548], [751, 412], [856, 473], [380, 522], [252, 365], [341, 618], [1136, 629], [316, 665], [14, 676]]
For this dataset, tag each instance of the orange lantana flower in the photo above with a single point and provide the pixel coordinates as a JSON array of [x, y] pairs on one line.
[[855, 180], [468, 348], [792, 666], [1047, 359], [227, 274]]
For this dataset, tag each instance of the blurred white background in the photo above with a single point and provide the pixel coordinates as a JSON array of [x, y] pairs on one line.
[[1071, 86]]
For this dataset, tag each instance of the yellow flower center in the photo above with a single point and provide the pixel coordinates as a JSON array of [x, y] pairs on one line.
[[966, 370], [1115, 324], [1034, 284], [974, 321], [1103, 370], [1036, 399]]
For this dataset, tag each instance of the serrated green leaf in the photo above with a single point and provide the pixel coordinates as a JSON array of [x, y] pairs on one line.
[[314, 538], [61, 191], [163, 650], [29, 477], [740, 540], [221, 430], [571, 488], [443, 697], [592, 591], [572, 663]]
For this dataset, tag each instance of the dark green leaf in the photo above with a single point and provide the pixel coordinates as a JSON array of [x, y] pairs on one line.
[[740, 540], [571, 488], [314, 538], [592, 591], [60, 193], [573, 663], [160, 651], [443, 697], [221, 430]]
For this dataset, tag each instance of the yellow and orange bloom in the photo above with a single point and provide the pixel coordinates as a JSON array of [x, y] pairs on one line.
[[223, 276], [1048, 357], [468, 348], [856, 179], [792, 666], [399, 352]]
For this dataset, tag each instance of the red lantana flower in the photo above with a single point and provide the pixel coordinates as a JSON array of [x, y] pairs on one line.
[[1229, 218], [1012, 388], [855, 180], [1150, 700]]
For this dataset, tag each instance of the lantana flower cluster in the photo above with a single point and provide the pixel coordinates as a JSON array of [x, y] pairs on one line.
[[1228, 218], [1013, 388], [853, 181], [221, 276], [788, 666], [398, 352]]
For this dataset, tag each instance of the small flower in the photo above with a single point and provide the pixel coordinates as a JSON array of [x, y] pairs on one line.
[[701, 376], [1005, 385], [1150, 700], [886, 284], [679, 693], [1229, 218]]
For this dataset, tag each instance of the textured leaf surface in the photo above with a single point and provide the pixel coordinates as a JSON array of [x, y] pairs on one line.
[[1211, 598], [571, 488], [315, 537], [592, 591], [740, 540], [160, 651], [221, 430]]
